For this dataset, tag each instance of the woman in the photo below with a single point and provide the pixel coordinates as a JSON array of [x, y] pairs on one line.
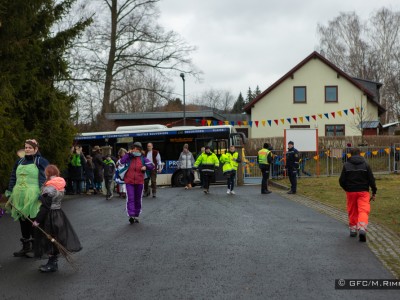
[[207, 161], [26, 180], [185, 163], [134, 180], [89, 175], [76, 169], [98, 170]]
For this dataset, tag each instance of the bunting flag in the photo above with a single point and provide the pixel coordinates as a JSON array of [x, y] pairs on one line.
[[301, 119], [197, 120], [203, 122], [339, 112], [352, 110], [320, 116], [345, 111], [276, 122], [209, 122], [220, 122], [358, 109], [333, 114], [283, 121], [327, 153], [375, 152], [289, 120], [233, 123], [215, 122], [239, 123], [226, 122], [269, 123], [308, 118], [244, 123], [362, 154], [326, 115], [397, 148], [295, 120], [387, 150], [316, 157], [314, 117], [251, 123], [263, 123], [256, 122]]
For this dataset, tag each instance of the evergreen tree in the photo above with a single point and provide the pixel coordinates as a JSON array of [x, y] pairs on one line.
[[239, 104], [250, 96], [256, 92], [31, 64]]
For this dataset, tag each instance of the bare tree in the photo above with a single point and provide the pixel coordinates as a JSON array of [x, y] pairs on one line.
[[368, 50], [216, 99]]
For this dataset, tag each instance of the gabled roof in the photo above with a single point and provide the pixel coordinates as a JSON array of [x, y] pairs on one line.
[[316, 55], [370, 124]]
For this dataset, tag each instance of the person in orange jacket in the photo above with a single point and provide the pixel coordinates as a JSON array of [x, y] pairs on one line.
[[356, 179]]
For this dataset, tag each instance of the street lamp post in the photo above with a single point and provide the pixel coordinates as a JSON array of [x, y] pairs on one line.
[[184, 104]]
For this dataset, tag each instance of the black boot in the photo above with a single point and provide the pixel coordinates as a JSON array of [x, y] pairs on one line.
[[51, 265], [26, 247]]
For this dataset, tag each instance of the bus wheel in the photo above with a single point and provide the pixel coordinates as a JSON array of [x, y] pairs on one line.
[[177, 180]]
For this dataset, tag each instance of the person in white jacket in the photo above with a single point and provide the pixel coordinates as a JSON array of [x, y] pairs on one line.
[[185, 163]]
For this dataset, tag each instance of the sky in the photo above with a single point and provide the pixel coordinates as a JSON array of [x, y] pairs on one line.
[[245, 43]]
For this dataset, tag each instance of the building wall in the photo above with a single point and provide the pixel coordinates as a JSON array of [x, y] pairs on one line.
[[315, 75]]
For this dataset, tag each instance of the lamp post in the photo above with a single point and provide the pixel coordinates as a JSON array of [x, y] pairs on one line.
[[184, 104]]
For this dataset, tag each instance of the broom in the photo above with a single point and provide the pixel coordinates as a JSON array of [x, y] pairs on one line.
[[61, 249]]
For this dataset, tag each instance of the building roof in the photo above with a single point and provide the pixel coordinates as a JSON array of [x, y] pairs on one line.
[[315, 55], [166, 115], [369, 124]]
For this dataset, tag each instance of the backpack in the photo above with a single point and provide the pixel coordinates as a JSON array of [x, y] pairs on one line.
[[121, 170]]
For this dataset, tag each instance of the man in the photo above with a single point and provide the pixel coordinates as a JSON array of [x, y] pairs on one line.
[[208, 161], [264, 160], [230, 162], [356, 179], [153, 156], [292, 165]]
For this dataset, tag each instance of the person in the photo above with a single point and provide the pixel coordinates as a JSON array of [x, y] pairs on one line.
[[53, 220], [356, 179], [27, 177], [396, 159], [109, 170], [121, 186], [76, 169], [208, 161], [134, 180], [230, 161], [346, 152], [292, 165], [98, 170], [185, 163], [264, 159], [302, 165], [89, 175], [202, 150], [155, 158]]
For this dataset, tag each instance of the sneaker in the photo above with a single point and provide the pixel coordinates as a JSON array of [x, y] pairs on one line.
[[291, 192], [353, 232], [266, 192], [362, 235], [228, 191], [132, 220], [109, 197], [206, 191], [233, 193]]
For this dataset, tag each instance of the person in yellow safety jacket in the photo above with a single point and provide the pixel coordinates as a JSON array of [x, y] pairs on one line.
[[208, 162], [230, 162], [264, 160]]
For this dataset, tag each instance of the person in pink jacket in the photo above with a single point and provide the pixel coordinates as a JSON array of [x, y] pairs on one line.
[[134, 180]]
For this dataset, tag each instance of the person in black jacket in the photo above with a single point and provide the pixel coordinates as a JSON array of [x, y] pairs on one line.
[[292, 166], [356, 179]]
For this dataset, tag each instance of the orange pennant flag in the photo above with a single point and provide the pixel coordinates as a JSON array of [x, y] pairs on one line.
[[209, 122], [320, 116], [263, 122], [339, 112], [283, 121], [301, 119]]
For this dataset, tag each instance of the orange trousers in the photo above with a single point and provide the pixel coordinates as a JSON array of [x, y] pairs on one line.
[[358, 208]]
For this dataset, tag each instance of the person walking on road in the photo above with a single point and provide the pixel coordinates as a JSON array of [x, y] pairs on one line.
[[356, 179], [264, 160], [98, 170], [185, 163], [292, 166], [52, 219], [121, 186], [109, 170], [208, 161], [153, 156], [27, 178], [134, 180], [230, 161]]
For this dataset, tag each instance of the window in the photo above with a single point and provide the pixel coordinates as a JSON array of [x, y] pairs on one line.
[[299, 94], [299, 126], [331, 94], [334, 130]]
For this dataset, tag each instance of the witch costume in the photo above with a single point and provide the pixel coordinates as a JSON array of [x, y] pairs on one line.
[[52, 220]]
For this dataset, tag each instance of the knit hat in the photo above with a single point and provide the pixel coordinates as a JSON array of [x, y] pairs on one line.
[[290, 143]]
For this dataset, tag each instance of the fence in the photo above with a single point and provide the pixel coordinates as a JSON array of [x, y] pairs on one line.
[[328, 162]]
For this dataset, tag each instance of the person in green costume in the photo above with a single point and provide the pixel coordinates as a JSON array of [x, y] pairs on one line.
[[26, 180]]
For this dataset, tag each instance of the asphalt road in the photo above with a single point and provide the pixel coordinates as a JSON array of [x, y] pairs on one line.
[[195, 246]]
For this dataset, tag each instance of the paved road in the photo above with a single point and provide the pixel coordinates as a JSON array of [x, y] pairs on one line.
[[195, 246]]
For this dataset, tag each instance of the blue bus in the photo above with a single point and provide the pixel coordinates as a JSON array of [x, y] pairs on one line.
[[168, 141]]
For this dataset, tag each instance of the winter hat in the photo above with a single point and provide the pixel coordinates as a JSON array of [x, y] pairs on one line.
[[291, 143]]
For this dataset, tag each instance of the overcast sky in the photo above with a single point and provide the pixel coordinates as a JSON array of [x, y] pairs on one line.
[[245, 43]]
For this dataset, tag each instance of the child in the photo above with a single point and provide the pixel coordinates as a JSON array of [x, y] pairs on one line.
[[53, 221], [109, 170]]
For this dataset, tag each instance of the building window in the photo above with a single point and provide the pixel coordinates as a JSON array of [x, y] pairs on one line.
[[334, 130], [299, 126], [331, 94], [299, 94]]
